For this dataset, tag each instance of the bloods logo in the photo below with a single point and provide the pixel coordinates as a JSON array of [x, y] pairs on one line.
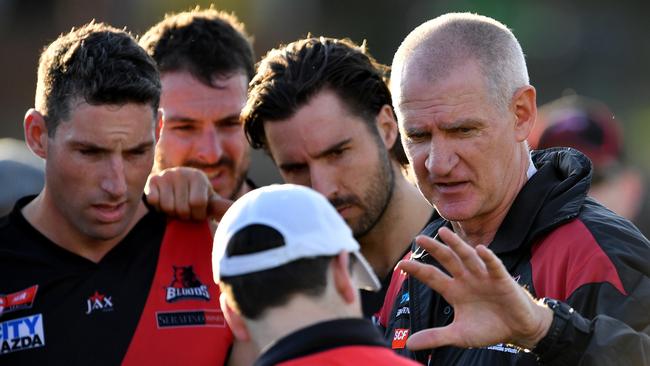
[[99, 302], [21, 334], [185, 285], [18, 300]]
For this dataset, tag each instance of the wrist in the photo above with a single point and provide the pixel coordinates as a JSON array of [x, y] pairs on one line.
[[561, 316]]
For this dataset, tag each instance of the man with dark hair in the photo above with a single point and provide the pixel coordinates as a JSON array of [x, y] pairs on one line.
[[511, 223], [206, 61], [322, 110], [90, 274], [289, 268]]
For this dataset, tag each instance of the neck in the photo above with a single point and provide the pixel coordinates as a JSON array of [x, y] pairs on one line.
[[405, 216], [482, 229], [43, 214], [280, 321]]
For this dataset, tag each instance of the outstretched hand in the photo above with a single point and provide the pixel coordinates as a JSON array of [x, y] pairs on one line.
[[185, 193], [489, 306]]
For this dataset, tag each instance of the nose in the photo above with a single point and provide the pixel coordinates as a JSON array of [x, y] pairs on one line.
[[441, 158], [323, 180], [208, 146], [114, 179]]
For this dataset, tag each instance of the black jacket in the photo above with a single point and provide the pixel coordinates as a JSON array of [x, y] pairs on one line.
[[558, 243]]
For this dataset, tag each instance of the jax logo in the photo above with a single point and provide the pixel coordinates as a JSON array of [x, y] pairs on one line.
[[22, 334], [186, 285], [99, 302]]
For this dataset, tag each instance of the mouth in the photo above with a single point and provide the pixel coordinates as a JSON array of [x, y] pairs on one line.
[[109, 213], [344, 210], [451, 187]]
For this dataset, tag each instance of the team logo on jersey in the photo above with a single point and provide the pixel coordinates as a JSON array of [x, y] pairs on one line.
[[22, 334], [501, 347], [191, 318], [404, 299], [23, 299], [99, 302], [404, 310], [186, 285], [399, 338]]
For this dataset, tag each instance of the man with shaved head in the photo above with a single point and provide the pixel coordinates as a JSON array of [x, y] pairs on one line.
[[514, 223]]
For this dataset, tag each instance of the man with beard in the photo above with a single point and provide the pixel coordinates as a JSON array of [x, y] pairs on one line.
[[90, 274], [206, 61], [322, 110]]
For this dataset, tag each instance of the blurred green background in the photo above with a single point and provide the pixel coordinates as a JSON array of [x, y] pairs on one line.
[[596, 48]]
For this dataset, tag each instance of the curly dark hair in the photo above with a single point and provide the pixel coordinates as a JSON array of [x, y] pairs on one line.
[[97, 64], [203, 42], [287, 77]]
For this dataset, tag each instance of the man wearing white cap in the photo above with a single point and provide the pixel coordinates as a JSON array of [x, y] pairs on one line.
[[289, 269]]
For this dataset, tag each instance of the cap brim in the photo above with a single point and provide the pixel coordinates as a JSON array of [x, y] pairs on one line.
[[362, 274]]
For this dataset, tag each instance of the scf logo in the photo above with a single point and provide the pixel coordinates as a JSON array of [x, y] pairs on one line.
[[400, 337]]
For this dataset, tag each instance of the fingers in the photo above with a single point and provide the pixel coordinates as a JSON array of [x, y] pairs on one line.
[[443, 254], [493, 264], [181, 192], [427, 274], [218, 206], [151, 192], [199, 197], [430, 338], [467, 255]]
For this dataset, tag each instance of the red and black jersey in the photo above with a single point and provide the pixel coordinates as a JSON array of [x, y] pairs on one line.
[[558, 243], [347, 341], [150, 300]]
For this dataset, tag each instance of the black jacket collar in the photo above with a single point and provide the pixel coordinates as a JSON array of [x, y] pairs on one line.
[[321, 337]]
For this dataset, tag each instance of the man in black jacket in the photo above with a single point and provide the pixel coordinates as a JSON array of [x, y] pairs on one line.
[[465, 108]]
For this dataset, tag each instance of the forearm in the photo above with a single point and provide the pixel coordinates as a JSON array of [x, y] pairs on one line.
[[601, 341]]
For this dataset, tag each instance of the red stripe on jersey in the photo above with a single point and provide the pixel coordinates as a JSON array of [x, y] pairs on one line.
[[568, 258], [396, 281], [182, 322]]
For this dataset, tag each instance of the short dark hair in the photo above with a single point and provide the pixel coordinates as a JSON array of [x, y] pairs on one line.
[[97, 64], [206, 43], [289, 76], [254, 293]]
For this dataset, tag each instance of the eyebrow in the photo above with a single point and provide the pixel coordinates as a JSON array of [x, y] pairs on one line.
[[184, 119], [333, 148], [90, 145], [327, 151], [466, 122]]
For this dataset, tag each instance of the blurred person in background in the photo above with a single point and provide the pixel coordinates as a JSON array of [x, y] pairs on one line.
[[21, 173], [289, 268], [321, 108], [589, 126], [206, 60]]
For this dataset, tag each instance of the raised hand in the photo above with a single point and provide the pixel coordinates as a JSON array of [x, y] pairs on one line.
[[489, 306]]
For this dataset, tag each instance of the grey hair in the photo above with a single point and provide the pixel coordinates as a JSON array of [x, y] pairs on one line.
[[450, 40]]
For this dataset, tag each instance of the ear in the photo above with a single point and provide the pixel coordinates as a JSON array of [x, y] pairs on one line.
[[235, 321], [387, 126], [36, 132], [342, 278], [159, 123], [524, 105]]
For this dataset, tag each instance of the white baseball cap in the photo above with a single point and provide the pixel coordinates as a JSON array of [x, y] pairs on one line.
[[308, 223]]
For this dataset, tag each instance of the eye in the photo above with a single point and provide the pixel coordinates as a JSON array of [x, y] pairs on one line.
[[183, 127], [417, 137], [89, 151]]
